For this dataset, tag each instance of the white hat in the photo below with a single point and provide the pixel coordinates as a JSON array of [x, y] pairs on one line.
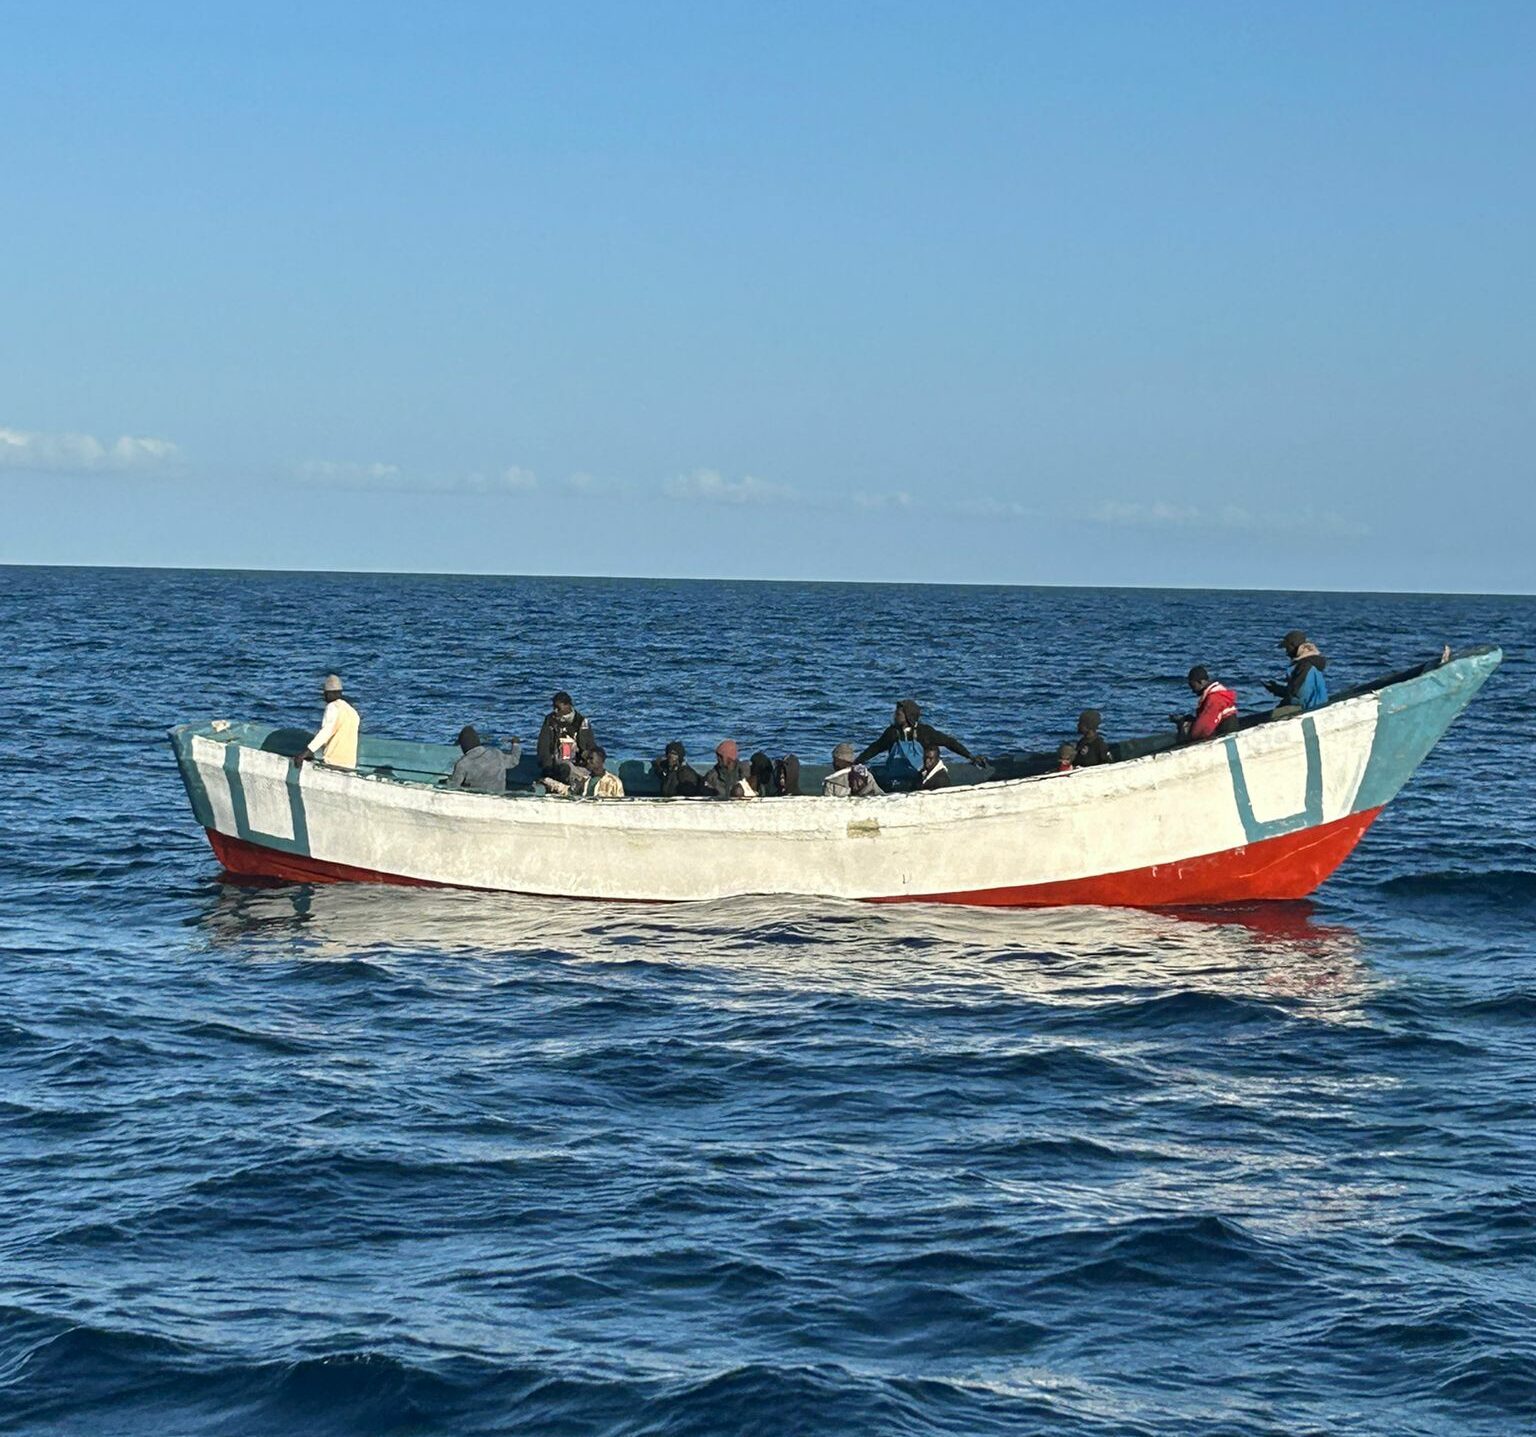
[[332, 684]]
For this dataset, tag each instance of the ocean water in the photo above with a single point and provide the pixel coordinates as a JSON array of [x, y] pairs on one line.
[[347, 1160]]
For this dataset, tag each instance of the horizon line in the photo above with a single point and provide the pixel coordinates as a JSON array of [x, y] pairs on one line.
[[725, 579]]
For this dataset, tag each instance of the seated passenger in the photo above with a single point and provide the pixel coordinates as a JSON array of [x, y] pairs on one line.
[[1215, 709], [336, 740], [565, 740], [482, 769], [1065, 756], [727, 771], [786, 776], [760, 771], [905, 739], [934, 774], [861, 783], [598, 783], [845, 773], [1091, 748], [1304, 687], [677, 777]]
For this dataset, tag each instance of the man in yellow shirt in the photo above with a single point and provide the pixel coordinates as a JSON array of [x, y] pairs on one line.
[[336, 741]]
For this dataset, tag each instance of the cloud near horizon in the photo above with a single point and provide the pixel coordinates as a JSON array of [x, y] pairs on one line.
[[347, 474], [709, 486], [1227, 517], [62, 453]]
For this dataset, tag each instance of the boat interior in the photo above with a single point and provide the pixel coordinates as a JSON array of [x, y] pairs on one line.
[[405, 761]]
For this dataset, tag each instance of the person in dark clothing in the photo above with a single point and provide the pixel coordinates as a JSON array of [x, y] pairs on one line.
[[481, 769], [677, 777], [1091, 748], [933, 774], [760, 772], [727, 771], [905, 739], [786, 776], [565, 739], [1304, 687]]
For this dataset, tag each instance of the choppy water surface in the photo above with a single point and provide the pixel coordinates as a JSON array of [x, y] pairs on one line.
[[364, 1161]]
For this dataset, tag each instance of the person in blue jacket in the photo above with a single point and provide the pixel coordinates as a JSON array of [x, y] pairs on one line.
[[1304, 687]]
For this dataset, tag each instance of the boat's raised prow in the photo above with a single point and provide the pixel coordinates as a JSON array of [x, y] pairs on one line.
[[1266, 813]]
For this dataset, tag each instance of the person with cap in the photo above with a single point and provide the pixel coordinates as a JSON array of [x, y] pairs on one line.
[[849, 778], [727, 771], [336, 739], [565, 740], [1304, 687], [1091, 748], [1215, 708], [904, 741], [676, 777], [482, 769]]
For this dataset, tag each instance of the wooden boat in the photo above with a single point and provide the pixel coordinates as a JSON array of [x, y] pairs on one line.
[[1267, 812]]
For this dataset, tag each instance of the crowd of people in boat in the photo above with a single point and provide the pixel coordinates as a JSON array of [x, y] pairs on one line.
[[572, 764]]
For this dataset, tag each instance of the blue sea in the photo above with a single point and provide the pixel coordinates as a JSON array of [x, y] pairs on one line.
[[345, 1160]]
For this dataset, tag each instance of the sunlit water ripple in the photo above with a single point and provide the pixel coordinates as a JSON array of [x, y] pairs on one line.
[[284, 1159]]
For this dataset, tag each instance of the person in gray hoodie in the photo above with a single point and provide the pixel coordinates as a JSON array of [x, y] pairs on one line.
[[482, 769]]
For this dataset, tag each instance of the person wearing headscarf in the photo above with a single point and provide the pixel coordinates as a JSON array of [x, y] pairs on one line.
[[726, 772]]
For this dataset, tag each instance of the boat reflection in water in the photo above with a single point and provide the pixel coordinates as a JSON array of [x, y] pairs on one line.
[[1074, 955]]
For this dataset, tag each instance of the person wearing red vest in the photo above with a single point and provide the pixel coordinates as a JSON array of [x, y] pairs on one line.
[[1215, 708]]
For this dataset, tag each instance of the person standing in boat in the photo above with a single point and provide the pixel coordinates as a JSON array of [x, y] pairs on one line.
[[1215, 712], [904, 741], [336, 739], [727, 772], [565, 741], [1304, 687]]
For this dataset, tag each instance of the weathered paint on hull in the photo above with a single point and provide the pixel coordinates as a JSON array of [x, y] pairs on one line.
[[1267, 813], [1288, 867]]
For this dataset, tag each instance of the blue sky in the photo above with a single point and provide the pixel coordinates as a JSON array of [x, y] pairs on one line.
[[1035, 293]]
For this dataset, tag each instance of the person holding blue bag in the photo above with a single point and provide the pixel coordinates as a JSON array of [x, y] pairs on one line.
[[904, 741]]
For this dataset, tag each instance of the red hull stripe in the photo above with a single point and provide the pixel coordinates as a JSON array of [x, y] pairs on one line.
[[1290, 866]]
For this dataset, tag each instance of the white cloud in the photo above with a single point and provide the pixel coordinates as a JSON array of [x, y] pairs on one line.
[[899, 499], [709, 486], [347, 474], [995, 509], [82, 453], [1230, 518]]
